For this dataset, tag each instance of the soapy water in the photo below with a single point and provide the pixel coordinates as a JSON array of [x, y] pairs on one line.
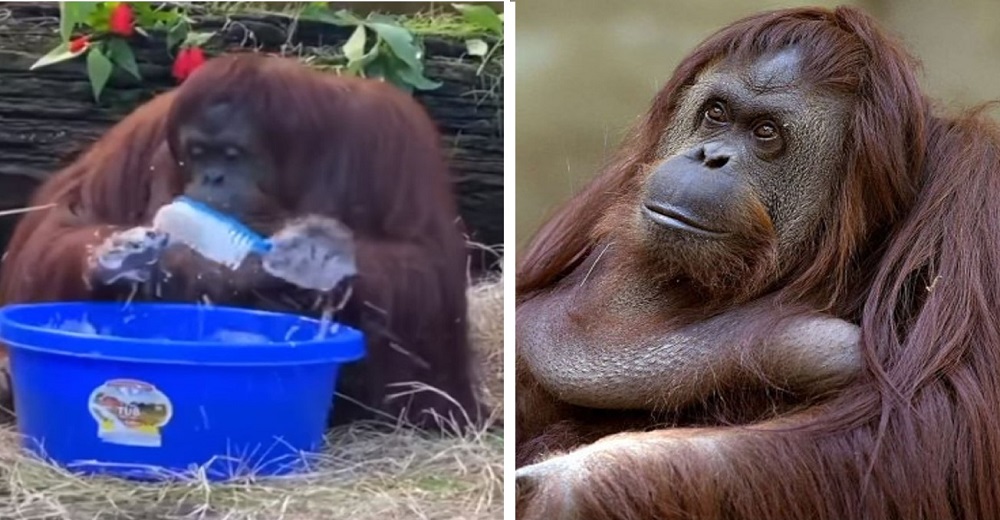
[[309, 267], [305, 255], [79, 327], [231, 336], [238, 336], [312, 253]]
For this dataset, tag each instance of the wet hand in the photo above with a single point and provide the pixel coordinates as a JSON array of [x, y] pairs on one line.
[[314, 253], [129, 255]]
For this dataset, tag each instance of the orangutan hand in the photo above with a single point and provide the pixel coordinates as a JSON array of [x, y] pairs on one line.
[[313, 253], [129, 255]]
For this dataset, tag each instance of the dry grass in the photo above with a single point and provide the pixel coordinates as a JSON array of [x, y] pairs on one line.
[[486, 324], [363, 474]]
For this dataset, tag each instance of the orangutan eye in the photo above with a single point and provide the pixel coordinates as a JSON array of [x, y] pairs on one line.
[[716, 113], [196, 151], [765, 131], [232, 152]]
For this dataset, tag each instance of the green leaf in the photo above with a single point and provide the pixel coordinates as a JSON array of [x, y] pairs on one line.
[[99, 69], [168, 17], [176, 15], [197, 39], [150, 15], [382, 18], [374, 70], [481, 16], [400, 41], [121, 54], [144, 13], [99, 18], [322, 13], [476, 47], [397, 72], [417, 79], [314, 11], [362, 64], [345, 17], [383, 68], [177, 34], [359, 65], [72, 14], [56, 55], [66, 21], [354, 48]]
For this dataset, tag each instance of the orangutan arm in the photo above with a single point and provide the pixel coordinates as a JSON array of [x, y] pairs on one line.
[[58, 255], [713, 473], [50, 257], [614, 368]]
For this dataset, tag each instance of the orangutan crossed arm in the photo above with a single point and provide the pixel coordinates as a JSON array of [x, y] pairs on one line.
[[604, 368]]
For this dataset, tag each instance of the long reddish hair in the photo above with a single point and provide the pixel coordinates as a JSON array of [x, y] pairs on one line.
[[912, 252]]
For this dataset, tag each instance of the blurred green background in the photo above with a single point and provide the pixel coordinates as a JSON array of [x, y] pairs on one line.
[[587, 70]]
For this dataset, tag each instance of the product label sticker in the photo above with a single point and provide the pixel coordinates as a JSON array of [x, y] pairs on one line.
[[130, 412]]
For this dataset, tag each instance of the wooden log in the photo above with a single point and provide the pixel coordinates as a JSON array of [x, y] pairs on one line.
[[49, 115]]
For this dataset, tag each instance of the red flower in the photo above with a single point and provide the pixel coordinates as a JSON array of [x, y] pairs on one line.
[[122, 21], [79, 44], [187, 61]]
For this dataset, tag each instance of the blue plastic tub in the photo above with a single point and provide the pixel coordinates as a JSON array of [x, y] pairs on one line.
[[155, 391]]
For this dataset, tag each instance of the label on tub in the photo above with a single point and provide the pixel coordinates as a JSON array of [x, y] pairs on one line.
[[130, 412]]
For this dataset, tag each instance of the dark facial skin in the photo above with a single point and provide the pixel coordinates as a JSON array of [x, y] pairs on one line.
[[219, 155], [752, 149]]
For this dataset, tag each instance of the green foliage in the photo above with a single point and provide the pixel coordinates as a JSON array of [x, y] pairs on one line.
[[121, 55], [72, 14], [488, 20], [107, 51], [379, 47], [99, 68], [59, 54], [482, 16]]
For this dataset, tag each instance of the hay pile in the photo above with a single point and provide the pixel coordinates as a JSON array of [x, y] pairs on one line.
[[364, 473]]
